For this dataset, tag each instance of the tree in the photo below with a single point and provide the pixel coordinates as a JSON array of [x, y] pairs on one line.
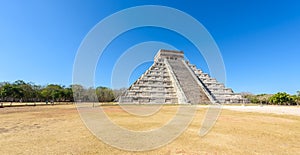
[[297, 98], [36, 93], [282, 98], [46, 94], [264, 98], [29, 92], [78, 92], [90, 95], [24, 90], [10, 92], [105, 94], [68, 94], [6, 91], [53, 92], [260, 98]]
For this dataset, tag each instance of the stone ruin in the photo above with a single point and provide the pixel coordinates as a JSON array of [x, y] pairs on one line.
[[173, 80]]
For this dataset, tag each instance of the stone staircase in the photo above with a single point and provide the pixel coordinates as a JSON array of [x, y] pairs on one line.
[[218, 91], [189, 85]]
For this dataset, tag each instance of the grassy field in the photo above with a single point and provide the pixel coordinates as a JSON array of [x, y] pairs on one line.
[[58, 129]]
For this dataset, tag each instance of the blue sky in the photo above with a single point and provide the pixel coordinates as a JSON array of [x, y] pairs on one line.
[[259, 40]]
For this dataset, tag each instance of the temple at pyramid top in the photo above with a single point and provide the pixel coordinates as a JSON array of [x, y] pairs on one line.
[[168, 54], [173, 80]]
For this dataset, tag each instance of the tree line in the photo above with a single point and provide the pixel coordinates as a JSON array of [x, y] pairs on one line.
[[20, 91], [280, 98]]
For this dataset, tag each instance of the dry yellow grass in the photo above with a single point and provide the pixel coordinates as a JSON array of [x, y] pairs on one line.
[[59, 130]]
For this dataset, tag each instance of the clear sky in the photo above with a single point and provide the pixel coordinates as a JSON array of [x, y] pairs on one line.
[[259, 40]]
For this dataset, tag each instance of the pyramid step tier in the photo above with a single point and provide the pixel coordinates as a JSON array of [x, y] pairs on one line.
[[173, 80]]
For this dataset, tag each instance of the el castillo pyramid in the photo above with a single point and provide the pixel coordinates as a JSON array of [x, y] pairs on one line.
[[173, 80]]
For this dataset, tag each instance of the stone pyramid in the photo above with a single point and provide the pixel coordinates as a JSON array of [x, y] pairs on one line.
[[173, 80]]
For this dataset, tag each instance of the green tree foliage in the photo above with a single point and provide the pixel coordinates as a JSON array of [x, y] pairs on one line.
[[7, 92], [52, 92], [20, 91], [25, 91], [105, 94], [282, 98], [68, 94], [297, 98]]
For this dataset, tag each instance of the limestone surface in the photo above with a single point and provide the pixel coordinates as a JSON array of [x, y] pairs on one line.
[[173, 80]]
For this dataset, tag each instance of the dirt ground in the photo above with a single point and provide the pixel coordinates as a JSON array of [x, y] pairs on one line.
[[58, 129]]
